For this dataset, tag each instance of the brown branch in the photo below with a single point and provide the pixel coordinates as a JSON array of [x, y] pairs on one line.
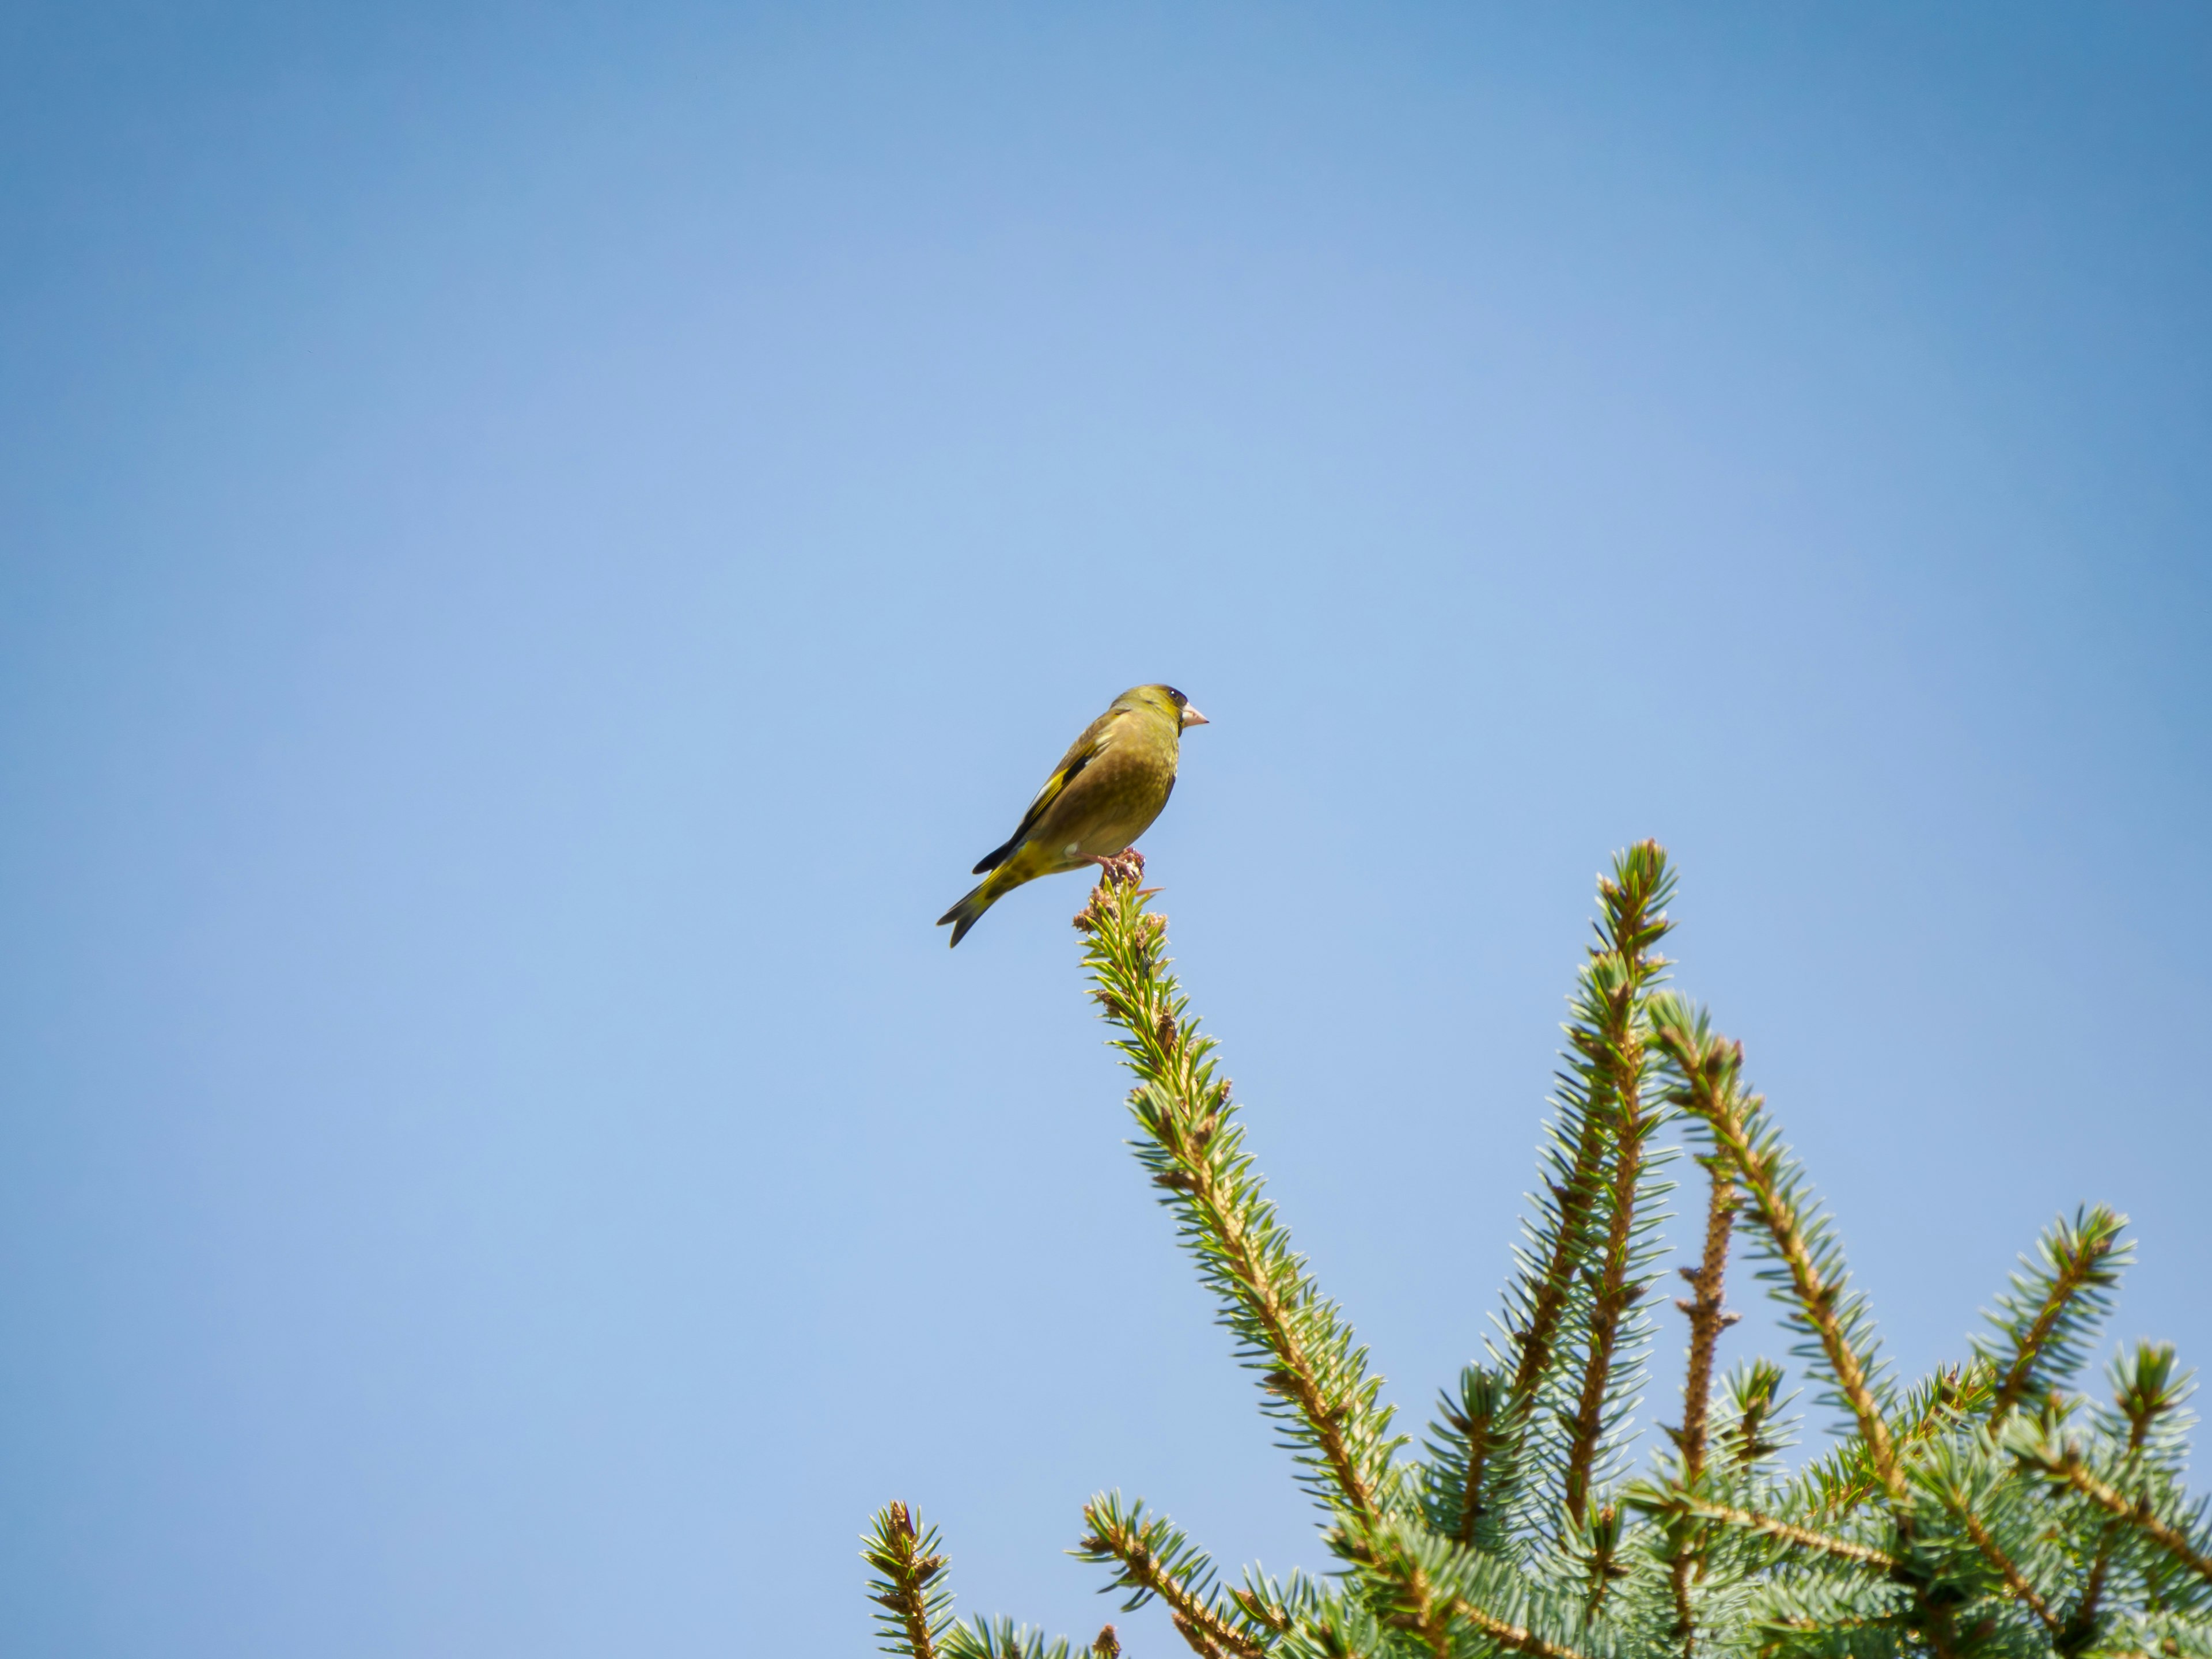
[[1818, 1298], [1632, 930], [1614, 1294], [1426, 1616], [1707, 1320], [1727, 1110], [1774, 1526], [1142, 1000], [906, 1574], [2079, 1269], [1429, 1610], [1713, 1095], [1433, 1615], [1574, 1197], [1248, 1268], [2093, 1591], [1481, 1445], [1615, 1051], [1679, 1571], [2067, 1466], [1955, 1392], [2015, 1581], [1198, 1620], [1297, 1377], [1601, 1567], [1511, 1636]]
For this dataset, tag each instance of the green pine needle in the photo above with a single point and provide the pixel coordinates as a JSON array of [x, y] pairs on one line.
[[1985, 1512]]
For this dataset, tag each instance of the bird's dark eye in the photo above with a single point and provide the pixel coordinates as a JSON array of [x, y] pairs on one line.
[[1179, 700]]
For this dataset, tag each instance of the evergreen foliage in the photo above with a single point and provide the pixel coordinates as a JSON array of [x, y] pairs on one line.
[[1990, 1511]]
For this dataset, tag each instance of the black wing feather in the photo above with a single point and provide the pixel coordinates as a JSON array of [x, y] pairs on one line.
[[1071, 763]]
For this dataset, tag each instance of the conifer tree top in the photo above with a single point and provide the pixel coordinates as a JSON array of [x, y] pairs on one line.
[[1988, 1511]]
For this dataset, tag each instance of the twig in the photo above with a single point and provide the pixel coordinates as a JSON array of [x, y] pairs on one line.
[[903, 1555], [1773, 1526], [2015, 1581], [1711, 1068], [2067, 1466], [1142, 1568], [1196, 1161]]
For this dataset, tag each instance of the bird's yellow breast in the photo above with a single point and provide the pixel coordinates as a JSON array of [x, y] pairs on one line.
[[1114, 800]]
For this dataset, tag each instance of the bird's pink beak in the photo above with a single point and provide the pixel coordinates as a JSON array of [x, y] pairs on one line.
[[1191, 717]]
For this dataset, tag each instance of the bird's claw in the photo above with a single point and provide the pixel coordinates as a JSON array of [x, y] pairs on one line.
[[1123, 869]]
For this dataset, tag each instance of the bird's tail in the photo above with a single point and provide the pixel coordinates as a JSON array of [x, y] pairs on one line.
[[979, 898]]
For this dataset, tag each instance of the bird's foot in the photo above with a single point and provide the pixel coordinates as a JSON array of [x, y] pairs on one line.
[[1124, 869]]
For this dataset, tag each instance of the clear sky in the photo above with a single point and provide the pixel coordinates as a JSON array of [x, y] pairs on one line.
[[538, 544]]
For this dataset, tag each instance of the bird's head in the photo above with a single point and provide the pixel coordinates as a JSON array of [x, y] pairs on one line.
[[1164, 700]]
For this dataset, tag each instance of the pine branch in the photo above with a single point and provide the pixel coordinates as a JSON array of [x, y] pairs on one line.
[[1513, 1638], [2048, 1319], [1155, 1558], [1470, 1455], [1809, 1262], [2150, 1399], [2147, 1392], [2065, 1463], [2155, 1636], [2007, 1527], [1323, 1391], [1809, 1620], [1616, 1291], [1001, 1638], [1984, 1498], [1808, 1268], [1931, 1409], [1682, 1568], [1707, 1322], [1674, 1502], [907, 1583], [1430, 1587], [2015, 1581], [1344, 1627], [1596, 1151], [1597, 1547], [1754, 1391], [1278, 1609], [1707, 1318], [1573, 1198]]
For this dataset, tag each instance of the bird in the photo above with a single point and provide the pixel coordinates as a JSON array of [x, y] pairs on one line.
[[1104, 793]]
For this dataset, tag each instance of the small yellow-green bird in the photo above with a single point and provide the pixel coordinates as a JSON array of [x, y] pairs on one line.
[[1104, 793]]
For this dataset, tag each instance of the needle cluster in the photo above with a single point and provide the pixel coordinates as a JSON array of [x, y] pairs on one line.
[[1991, 1511]]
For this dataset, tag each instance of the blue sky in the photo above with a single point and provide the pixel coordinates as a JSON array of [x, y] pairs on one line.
[[538, 544]]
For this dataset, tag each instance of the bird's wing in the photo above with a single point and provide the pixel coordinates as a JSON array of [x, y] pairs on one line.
[[1083, 751]]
